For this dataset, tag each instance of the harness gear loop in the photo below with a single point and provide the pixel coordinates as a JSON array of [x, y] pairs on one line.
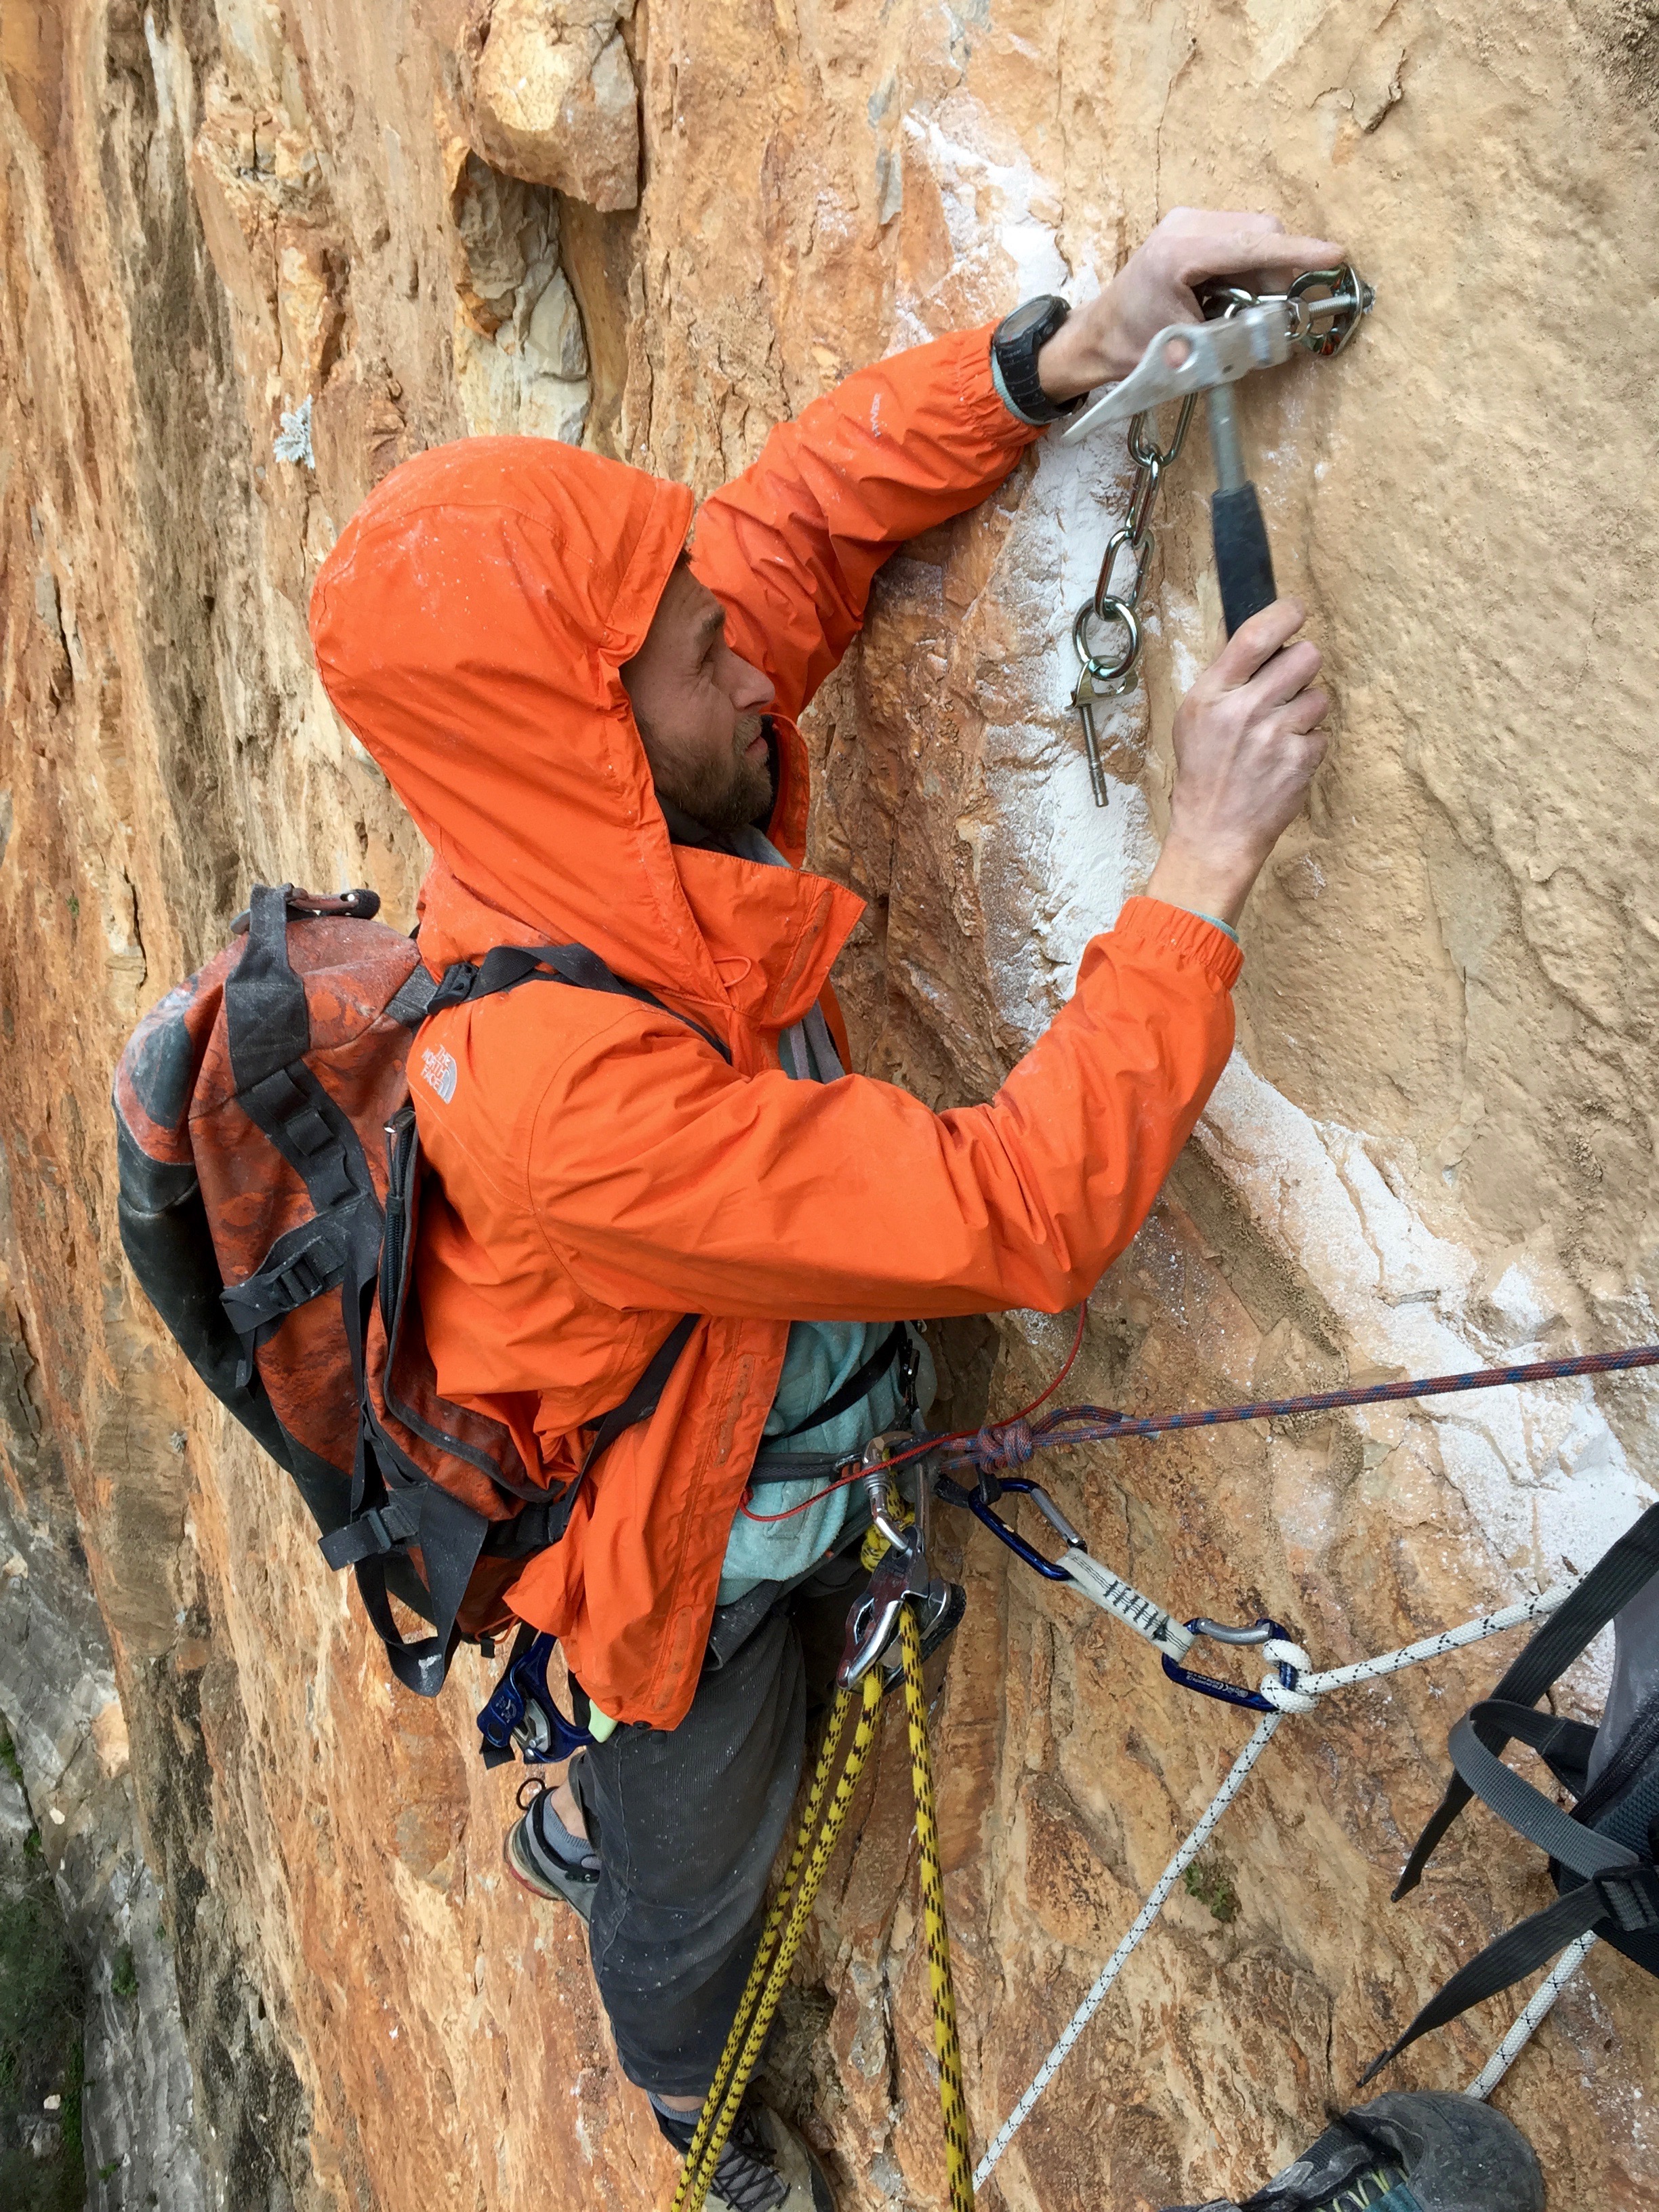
[[785, 1923]]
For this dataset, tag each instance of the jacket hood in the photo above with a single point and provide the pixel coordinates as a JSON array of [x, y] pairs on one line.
[[468, 627]]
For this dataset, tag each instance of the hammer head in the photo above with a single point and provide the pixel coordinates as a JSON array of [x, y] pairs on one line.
[[1320, 311]]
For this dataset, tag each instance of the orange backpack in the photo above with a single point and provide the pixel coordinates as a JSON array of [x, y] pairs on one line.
[[269, 1195]]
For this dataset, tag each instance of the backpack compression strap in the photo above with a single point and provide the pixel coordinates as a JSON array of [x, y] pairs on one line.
[[1626, 1568], [268, 1028]]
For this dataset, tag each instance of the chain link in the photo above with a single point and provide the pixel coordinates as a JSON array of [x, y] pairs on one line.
[[1098, 676], [1325, 307]]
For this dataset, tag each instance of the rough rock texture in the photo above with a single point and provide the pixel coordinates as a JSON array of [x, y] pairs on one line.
[[254, 254], [58, 1701]]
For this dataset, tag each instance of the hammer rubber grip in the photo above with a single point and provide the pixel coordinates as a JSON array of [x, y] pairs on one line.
[[1244, 560]]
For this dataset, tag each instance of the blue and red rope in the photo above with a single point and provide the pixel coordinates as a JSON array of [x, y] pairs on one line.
[[1012, 1443]]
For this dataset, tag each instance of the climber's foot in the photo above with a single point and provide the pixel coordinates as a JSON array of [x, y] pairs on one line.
[[764, 2167], [1410, 2151], [543, 1855]]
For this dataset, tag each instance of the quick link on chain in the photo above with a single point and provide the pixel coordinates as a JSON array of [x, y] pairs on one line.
[[1099, 677]]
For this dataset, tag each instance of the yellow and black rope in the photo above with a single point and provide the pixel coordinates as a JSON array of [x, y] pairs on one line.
[[785, 1924], [952, 2103]]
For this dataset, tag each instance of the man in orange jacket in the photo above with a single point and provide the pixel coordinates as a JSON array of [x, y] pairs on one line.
[[598, 736]]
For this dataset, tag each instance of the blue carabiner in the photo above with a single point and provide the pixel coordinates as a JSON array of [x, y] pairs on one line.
[[954, 1493], [1230, 1693], [523, 1713]]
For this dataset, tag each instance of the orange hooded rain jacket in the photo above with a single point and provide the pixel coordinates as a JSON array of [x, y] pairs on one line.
[[598, 1170]]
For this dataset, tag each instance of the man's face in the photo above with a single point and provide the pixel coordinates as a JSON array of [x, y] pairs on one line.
[[698, 707]]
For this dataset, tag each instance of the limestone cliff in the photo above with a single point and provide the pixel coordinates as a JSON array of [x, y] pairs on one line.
[[258, 250]]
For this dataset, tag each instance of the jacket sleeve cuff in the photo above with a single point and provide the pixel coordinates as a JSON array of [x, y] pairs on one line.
[[1188, 936], [985, 410]]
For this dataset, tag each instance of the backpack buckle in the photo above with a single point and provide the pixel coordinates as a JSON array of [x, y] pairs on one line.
[[370, 1536], [1631, 1900]]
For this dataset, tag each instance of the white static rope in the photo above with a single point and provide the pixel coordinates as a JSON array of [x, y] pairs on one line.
[[1119, 1957], [1537, 2009], [1310, 1688]]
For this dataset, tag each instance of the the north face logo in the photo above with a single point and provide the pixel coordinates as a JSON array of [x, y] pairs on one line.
[[439, 1069]]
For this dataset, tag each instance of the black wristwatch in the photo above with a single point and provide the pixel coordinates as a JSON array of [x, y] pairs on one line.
[[1015, 346]]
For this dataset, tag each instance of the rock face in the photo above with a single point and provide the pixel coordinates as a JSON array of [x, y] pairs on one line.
[[65, 1720], [255, 253]]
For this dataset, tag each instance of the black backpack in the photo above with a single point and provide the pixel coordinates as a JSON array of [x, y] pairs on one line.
[[1603, 1853]]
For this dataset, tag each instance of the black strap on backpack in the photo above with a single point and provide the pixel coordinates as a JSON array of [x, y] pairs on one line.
[[1626, 1567], [1605, 1886], [393, 1506], [506, 966]]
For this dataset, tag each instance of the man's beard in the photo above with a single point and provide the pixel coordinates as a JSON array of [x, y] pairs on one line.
[[721, 794]]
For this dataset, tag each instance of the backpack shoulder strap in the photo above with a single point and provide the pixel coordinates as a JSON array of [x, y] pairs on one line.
[[450, 1536], [1626, 1567], [507, 966], [503, 969], [646, 1395]]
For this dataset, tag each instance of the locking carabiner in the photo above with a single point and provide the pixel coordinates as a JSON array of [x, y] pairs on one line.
[[901, 1577], [1212, 1686]]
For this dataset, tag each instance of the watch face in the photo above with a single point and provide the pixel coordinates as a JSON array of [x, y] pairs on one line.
[[1025, 319]]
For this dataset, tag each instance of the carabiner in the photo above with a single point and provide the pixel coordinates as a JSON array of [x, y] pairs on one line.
[[1212, 1686], [979, 1504], [901, 1577]]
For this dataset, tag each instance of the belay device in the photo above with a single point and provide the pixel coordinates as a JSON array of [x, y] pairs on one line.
[[1319, 313]]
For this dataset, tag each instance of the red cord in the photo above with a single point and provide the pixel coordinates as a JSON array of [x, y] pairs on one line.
[[956, 1436]]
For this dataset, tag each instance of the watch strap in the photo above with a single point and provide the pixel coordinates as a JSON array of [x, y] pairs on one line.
[[1013, 364]]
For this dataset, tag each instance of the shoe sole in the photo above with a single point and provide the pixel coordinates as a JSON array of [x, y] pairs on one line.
[[579, 1896]]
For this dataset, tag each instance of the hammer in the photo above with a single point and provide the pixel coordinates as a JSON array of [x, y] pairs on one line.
[[1319, 313]]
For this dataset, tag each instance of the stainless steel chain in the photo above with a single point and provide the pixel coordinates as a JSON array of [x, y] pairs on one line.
[[1099, 678], [1323, 308]]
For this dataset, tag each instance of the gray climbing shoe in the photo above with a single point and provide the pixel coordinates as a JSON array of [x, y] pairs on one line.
[[543, 1855], [764, 2167], [1421, 2150]]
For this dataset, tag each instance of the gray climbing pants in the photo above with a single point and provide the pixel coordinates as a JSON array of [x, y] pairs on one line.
[[687, 1822]]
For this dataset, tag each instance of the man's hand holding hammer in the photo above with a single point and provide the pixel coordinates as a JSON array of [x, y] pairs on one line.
[[1247, 739]]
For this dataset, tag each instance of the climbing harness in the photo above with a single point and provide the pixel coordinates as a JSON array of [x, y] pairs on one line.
[[1319, 313], [894, 1551]]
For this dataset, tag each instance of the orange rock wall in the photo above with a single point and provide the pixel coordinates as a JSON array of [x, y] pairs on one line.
[[256, 252]]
